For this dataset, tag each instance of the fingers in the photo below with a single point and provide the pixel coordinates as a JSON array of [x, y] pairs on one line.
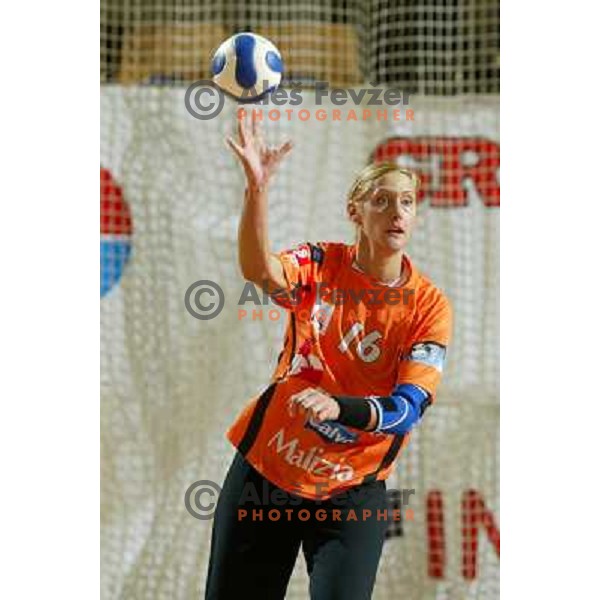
[[316, 404], [275, 156], [251, 135], [285, 148], [258, 135], [278, 154], [321, 412], [242, 129], [237, 149]]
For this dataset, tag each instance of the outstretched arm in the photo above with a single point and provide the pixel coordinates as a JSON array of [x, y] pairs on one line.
[[259, 163]]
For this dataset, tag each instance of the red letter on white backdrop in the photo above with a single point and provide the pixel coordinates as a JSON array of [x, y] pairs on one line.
[[444, 163], [474, 515], [436, 536]]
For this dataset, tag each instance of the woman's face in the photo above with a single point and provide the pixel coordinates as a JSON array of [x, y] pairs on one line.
[[388, 212]]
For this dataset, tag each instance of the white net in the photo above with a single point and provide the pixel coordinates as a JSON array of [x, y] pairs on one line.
[[171, 198]]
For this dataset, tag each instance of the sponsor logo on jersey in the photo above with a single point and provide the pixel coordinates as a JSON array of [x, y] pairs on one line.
[[302, 255], [428, 353], [307, 365], [309, 459], [332, 432], [317, 254], [305, 253], [320, 316]]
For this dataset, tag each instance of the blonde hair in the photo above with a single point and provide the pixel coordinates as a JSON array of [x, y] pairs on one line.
[[369, 175]]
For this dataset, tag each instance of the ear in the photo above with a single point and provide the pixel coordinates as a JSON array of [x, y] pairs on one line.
[[354, 214]]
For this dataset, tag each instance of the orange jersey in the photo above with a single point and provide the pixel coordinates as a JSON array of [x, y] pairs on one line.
[[348, 335]]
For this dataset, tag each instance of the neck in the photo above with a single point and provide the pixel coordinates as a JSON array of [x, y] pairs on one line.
[[383, 267]]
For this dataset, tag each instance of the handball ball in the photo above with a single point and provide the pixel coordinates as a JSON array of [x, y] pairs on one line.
[[247, 66]]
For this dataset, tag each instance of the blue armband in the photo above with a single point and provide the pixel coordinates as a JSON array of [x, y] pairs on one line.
[[402, 410], [396, 414]]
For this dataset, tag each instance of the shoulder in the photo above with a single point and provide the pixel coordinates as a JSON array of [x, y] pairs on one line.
[[429, 297], [332, 251], [432, 317]]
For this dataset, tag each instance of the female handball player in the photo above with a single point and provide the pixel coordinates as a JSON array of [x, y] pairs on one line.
[[362, 358]]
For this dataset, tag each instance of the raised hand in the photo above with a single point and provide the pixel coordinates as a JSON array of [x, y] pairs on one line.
[[258, 160]]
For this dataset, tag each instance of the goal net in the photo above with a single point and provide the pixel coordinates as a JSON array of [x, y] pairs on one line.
[[171, 195]]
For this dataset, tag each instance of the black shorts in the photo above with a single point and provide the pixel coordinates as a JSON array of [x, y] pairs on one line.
[[259, 528]]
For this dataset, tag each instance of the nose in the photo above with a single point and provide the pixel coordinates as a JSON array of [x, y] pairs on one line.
[[396, 207], [397, 225]]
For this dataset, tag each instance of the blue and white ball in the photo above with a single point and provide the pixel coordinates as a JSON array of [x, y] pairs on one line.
[[247, 66]]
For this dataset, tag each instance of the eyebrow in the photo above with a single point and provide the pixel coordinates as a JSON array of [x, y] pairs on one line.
[[402, 193]]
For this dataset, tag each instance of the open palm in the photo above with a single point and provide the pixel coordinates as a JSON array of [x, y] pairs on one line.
[[259, 161]]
